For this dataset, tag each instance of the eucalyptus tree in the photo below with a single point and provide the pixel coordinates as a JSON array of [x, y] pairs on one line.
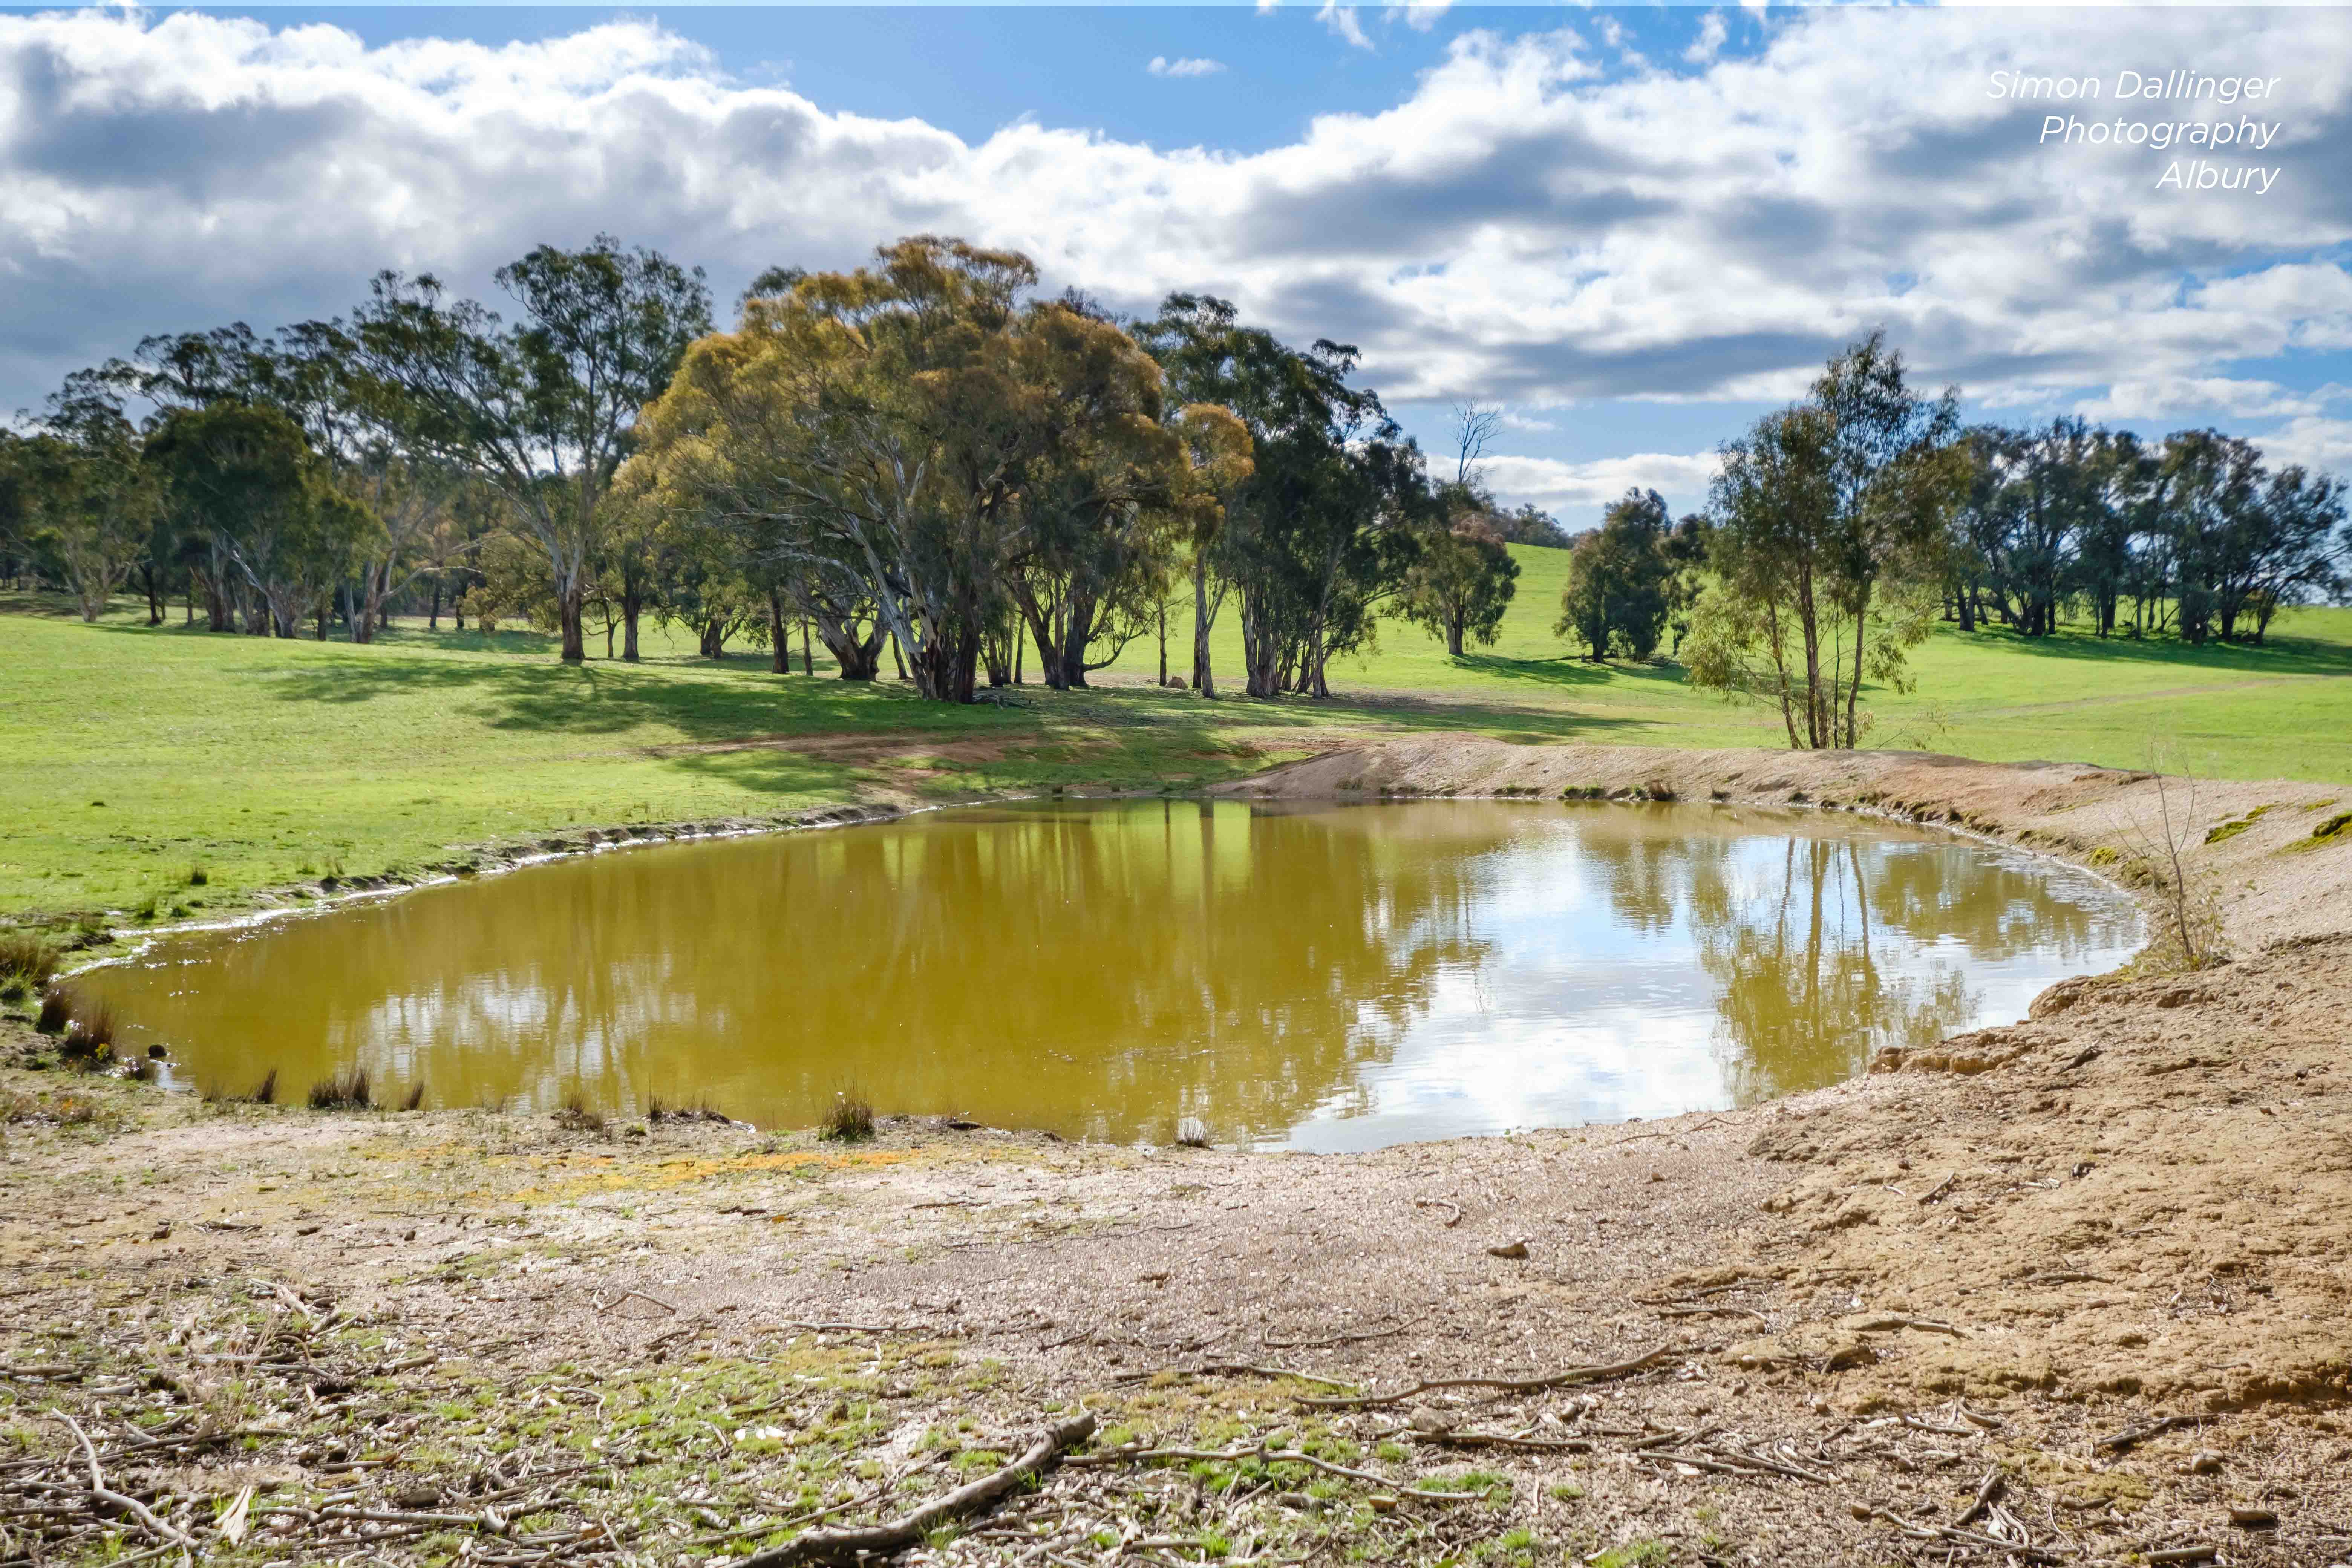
[[1465, 579], [1213, 362], [918, 438], [92, 503], [1829, 521], [1333, 510], [543, 410], [1620, 579], [246, 478], [1101, 497]]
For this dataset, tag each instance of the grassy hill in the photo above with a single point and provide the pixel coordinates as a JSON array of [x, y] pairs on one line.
[[130, 758]]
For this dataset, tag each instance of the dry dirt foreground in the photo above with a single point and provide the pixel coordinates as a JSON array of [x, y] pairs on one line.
[[2068, 1291]]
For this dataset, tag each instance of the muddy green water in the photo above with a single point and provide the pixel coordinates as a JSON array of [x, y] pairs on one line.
[[1324, 978]]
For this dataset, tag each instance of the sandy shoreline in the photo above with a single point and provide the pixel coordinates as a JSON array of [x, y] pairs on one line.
[[1979, 1259]]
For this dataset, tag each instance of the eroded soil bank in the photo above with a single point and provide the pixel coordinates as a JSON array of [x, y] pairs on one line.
[[2073, 1287]]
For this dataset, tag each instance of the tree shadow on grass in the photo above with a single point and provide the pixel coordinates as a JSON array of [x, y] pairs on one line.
[[2280, 654], [1109, 733]]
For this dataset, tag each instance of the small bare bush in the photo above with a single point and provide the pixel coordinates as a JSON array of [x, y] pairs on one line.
[[2189, 927]]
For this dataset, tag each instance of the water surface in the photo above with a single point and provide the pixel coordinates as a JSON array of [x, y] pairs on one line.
[[1322, 977]]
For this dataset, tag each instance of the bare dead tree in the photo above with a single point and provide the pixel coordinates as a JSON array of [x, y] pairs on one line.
[[1474, 424]]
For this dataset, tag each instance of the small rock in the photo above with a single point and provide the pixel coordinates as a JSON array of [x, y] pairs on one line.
[[1508, 1249], [1382, 1502], [2205, 1462], [1427, 1420]]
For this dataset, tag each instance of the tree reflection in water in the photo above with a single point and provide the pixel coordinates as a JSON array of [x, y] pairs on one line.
[[1333, 977]]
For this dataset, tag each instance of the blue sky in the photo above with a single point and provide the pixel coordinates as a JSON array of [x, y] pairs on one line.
[[1633, 229]]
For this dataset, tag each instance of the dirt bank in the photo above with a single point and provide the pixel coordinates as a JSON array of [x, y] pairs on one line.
[[458, 1336]]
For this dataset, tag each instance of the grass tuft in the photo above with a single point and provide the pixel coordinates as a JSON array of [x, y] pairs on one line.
[[414, 1100], [576, 1115], [89, 1038], [347, 1091], [57, 1009], [28, 963], [851, 1119]]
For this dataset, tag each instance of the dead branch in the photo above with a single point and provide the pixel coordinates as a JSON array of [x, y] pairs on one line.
[[1341, 1339], [1135, 1454], [155, 1527], [2120, 1442], [846, 1546], [1567, 1378]]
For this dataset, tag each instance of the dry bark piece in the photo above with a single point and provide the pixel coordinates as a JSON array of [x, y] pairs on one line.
[[1508, 1249]]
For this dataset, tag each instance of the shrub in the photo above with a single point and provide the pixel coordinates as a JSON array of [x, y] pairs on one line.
[[198, 876], [347, 1091], [851, 1120]]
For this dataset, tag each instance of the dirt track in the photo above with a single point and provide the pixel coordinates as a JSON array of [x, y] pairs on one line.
[[1980, 1259]]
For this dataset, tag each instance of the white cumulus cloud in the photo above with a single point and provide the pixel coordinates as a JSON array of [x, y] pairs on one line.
[[1518, 226], [1162, 66], [1575, 492]]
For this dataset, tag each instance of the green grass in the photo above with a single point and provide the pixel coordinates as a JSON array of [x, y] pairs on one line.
[[129, 757]]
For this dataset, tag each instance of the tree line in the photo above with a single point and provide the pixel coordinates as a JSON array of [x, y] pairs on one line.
[[1841, 529], [929, 460], [924, 456]]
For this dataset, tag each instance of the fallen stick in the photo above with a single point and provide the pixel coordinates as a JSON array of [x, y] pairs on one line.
[[2032, 1553], [1886, 1323], [1136, 1455], [155, 1527], [846, 1546], [1340, 1339], [1564, 1379], [1988, 1494], [1504, 1440], [2131, 1438], [1231, 1368]]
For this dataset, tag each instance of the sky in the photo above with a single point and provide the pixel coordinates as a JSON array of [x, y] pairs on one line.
[[1633, 231]]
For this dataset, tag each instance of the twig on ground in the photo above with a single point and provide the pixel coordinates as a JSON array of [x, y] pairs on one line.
[[1564, 1379], [2131, 1438], [1340, 1339]]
